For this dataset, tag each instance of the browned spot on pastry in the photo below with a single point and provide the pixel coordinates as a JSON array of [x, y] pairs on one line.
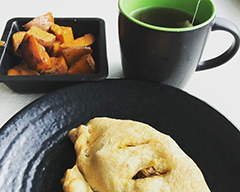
[[130, 145], [148, 172], [133, 145]]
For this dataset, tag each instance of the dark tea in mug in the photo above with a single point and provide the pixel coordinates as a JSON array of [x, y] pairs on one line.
[[164, 17]]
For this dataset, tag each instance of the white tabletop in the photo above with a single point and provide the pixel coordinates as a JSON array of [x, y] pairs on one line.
[[219, 87]]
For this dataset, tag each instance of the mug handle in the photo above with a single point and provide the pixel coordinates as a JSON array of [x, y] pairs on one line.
[[225, 25]]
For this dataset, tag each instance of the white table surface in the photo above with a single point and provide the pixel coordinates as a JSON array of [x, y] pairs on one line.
[[219, 87]]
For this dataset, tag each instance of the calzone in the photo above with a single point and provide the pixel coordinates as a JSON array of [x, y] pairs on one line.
[[127, 156]]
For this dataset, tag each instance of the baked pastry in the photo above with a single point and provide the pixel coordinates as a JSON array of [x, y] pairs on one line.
[[124, 155]]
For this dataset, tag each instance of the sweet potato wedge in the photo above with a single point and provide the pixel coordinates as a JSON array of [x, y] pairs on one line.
[[43, 22], [84, 65], [54, 50], [21, 69], [63, 34], [72, 54], [57, 66], [34, 54], [83, 41], [91, 63], [56, 30], [43, 38], [17, 40], [2, 43], [66, 35]]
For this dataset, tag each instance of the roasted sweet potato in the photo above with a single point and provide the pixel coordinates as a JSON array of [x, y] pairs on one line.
[[43, 22], [43, 38], [63, 34], [66, 35], [34, 54], [48, 48], [85, 65], [91, 62], [22, 69], [2, 43], [54, 50], [17, 40], [57, 66], [85, 40], [56, 29], [72, 54]]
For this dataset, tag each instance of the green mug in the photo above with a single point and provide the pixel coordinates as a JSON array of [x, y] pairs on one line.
[[165, 54]]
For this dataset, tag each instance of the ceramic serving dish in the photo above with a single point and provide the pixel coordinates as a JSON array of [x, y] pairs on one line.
[[46, 83]]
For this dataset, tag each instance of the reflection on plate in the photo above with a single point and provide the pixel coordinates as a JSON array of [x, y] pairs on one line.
[[35, 151]]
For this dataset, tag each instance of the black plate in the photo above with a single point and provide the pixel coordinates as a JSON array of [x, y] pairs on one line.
[[35, 151]]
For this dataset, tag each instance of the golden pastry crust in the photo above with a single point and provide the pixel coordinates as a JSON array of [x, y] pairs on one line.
[[125, 155], [73, 181]]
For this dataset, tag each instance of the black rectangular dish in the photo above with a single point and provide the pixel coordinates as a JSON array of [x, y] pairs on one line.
[[46, 83]]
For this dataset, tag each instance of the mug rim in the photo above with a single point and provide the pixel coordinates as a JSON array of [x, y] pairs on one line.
[[168, 29]]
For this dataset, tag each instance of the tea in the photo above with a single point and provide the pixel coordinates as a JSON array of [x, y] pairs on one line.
[[164, 17]]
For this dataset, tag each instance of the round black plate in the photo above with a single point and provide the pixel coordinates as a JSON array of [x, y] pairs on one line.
[[35, 151]]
